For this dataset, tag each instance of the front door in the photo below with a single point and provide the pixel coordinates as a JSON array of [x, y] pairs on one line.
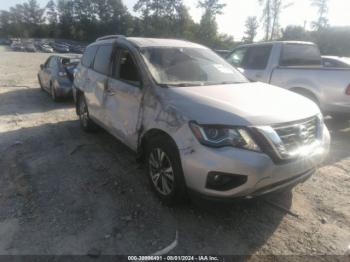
[[123, 98], [97, 83]]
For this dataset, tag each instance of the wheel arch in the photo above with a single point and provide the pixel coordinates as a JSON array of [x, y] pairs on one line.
[[149, 134], [307, 93]]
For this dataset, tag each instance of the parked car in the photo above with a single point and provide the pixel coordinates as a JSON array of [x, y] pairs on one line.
[[336, 61], [56, 76], [46, 48], [17, 46], [296, 66], [200, 125], [5, 41], [61, 48], [29, 47], [78, 49], [223, 53]]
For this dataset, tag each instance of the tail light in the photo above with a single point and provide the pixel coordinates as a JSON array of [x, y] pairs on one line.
[[62, 73], [348, 90]]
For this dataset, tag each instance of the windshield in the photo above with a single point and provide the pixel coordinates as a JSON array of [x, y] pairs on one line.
[[189, 66]]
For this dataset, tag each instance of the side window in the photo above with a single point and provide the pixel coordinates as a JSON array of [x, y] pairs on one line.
[[329, 63], [125, 68], [47, 63], [300, 55], [237, 57], [257, 57], [52, 63], [88, 56], [103, 59]]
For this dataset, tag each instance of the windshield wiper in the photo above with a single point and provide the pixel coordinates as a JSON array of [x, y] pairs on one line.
[[226, 83], [184, 84]]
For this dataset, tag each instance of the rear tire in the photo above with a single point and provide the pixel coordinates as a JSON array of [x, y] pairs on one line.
[[164, 170], [53, 93], [40, 84], [85, 122]]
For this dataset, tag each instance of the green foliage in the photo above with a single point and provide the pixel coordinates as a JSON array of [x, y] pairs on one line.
[[331, 40], [251, 31], [322, 10], [88, 19], [207, 33], [295, 33]]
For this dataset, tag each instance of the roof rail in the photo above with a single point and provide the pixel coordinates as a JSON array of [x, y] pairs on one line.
[[109, 37]]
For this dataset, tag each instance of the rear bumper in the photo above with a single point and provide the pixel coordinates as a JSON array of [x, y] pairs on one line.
[[64, 89]]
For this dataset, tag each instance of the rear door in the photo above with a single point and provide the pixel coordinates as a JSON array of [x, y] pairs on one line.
[[98, 83], [123, 97]]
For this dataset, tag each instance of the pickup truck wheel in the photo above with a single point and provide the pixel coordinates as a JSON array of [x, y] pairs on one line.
[[85, 122], [165, 170]]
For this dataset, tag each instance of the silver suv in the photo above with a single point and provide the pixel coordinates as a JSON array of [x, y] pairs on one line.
[[198, 123]]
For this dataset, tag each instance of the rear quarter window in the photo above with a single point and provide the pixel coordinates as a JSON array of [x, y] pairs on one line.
[[300, 55], [103, 59], [89, 55]]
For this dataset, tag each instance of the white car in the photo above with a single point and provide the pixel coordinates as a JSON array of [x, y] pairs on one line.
[[336, 61], [200, 125]]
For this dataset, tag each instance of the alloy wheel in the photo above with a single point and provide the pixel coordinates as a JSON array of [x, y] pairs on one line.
[[161, 172], [83, 112]]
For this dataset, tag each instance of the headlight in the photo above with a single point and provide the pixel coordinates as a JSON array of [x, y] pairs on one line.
[[221, 136]]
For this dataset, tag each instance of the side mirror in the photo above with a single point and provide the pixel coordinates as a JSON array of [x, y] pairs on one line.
[[41, 66]]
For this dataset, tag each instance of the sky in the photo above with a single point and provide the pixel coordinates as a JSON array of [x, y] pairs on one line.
[[236, 11]]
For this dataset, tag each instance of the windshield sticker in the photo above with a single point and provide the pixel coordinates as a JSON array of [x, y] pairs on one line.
[[223, 69]]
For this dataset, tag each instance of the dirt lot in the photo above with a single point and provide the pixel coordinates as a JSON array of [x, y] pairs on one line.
[[66, 192]]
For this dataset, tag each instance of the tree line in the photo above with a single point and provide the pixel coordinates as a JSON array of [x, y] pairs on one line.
[[331, 40], [85, 20]]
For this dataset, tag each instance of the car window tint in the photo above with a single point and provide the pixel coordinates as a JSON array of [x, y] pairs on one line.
[[257, 57], [329, 63], [52, 62], [103, 59], [127, 69], [300, 55], [89, 55], [47, 62], [237, 56]]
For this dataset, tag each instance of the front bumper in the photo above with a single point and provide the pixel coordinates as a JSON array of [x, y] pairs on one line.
[[263, 174]]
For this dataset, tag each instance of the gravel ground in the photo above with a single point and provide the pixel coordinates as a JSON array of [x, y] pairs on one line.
[[63, 191]]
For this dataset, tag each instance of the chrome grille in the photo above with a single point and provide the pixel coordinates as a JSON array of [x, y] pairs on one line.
[[301, 133]]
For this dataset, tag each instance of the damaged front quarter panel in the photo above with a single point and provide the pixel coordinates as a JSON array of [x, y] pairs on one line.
[[160, 112]]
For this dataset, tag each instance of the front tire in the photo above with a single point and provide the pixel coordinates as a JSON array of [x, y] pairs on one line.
[[85, 122], [165, 171]]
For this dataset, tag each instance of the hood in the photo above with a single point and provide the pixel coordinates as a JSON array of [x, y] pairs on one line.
[[240, 104]]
